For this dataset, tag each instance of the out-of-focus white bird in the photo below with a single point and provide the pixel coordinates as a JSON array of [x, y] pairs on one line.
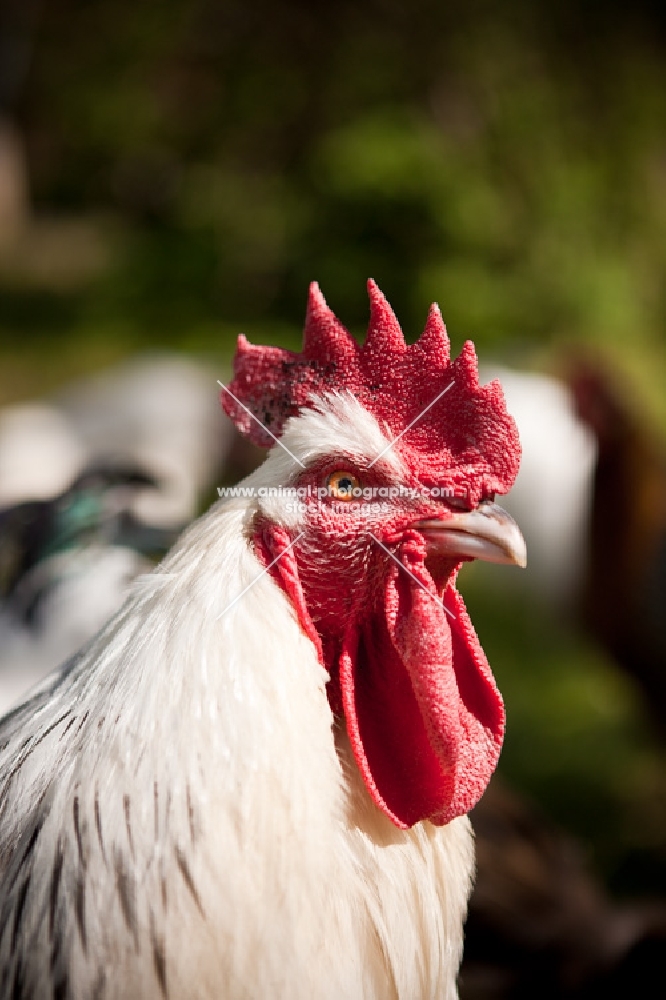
[[89, 486], [155, 412], [40, 453], [253, 782], [158, 412], [552, 495]]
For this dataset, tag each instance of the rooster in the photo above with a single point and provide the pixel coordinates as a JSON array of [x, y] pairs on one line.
[[254, 781]]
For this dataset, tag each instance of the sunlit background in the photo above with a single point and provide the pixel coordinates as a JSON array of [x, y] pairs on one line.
[[174, 173]]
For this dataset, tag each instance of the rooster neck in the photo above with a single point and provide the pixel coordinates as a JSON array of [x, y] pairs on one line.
[[201, 794], [197, 786], [417, 885]]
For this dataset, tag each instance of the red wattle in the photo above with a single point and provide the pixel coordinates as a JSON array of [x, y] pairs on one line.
[[423, 713], [424, 716]]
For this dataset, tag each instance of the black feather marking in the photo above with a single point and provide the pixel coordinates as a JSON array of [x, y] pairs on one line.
[[24, 752], [68, 726], [57, 966], [47, 732], [98, 826], [126, 807], [18, 911], [159, 956], [37, 829], [61, 987], [126, 886], [181, 861], [18, 986], [55, 886], [19, 758], [77, 831], [190, 815], [100, 986], [25, 857], [57, 970], [82, 722], [163, 885], [80, 911]]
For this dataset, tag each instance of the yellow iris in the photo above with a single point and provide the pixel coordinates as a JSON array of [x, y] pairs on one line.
[[342, 483]]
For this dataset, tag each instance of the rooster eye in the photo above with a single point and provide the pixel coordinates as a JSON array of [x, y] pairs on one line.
[[341, 484]]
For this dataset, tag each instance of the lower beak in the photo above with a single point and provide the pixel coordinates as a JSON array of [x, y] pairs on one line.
[[487, 533]]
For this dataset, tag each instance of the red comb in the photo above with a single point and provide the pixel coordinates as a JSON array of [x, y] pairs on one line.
[[465, 439]]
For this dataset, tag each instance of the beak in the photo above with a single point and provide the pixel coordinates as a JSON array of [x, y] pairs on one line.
[[487, 533]]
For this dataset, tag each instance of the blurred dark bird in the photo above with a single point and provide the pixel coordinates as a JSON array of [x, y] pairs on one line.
[[623, 601], [93, 511], [539, 924], [65, 566], [591, 500]]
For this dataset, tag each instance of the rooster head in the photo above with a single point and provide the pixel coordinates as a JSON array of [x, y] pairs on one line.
[[390, 459]]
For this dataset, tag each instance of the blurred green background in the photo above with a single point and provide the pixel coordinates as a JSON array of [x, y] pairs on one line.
[[192, 165]]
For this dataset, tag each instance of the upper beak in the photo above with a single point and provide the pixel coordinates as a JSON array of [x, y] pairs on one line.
[[487, 533]]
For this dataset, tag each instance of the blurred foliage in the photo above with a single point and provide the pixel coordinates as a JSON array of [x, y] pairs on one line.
[[506, 160], [509, 163], [578, 738]]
